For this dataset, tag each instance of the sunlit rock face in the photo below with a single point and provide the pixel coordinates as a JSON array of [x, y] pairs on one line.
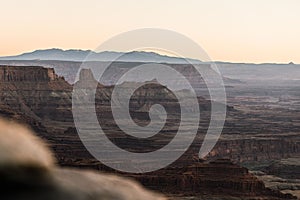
[[28, 171]]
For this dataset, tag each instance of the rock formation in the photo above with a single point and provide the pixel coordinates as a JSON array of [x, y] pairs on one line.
[[38, 97], [35, 92]]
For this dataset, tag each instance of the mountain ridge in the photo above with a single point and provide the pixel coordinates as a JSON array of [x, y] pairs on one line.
[[79, 55], [82, 55]]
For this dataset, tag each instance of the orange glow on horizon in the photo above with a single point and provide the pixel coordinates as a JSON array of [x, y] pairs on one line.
[[235, 31]]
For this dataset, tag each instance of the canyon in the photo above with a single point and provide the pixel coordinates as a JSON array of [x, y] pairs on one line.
[[253, 135]]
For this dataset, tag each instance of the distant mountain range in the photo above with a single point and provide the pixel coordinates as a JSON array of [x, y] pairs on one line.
[[81, 55]]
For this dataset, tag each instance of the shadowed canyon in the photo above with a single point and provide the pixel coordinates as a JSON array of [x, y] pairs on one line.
[[259, 143]]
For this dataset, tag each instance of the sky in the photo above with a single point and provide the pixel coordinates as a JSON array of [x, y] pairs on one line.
[[255, 31]]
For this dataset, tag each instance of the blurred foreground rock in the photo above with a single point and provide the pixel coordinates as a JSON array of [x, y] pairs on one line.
[[28, 171]]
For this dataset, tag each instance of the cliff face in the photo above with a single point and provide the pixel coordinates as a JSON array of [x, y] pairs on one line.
[[256, 149], [30, 73], [216, 178], [35, 92], [66, 69]]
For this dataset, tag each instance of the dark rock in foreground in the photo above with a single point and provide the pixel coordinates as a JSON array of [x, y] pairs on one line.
[[28, 171]]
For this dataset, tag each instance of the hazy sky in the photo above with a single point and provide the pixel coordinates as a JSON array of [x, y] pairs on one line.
[[229, 30]]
